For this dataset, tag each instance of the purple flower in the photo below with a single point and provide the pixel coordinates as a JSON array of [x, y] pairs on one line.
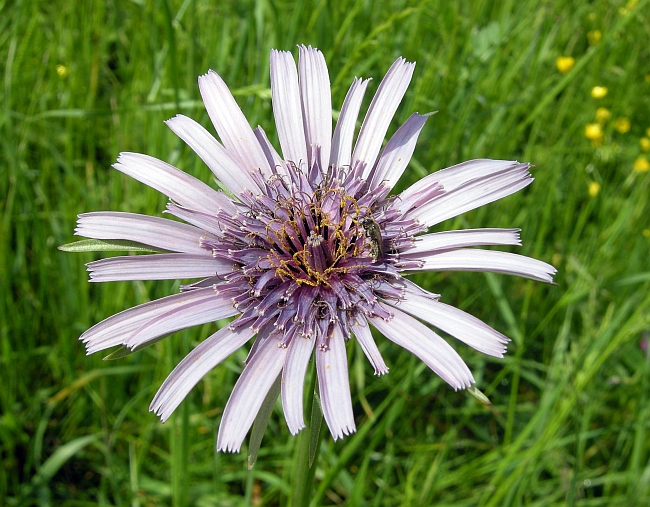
[[307, 250]]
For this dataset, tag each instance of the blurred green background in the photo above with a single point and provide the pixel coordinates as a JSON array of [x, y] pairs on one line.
[[82, 81]]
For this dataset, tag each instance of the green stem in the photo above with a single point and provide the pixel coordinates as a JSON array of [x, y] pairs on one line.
[[308, 445]]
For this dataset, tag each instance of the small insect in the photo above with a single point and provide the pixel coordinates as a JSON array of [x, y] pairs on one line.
[[373, 233]]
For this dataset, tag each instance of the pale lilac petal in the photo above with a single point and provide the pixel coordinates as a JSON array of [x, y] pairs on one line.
[[231, 124], [153, 231], [114, 330], [334, 385], [293, 381], [316, 102], [380, 113], [369, 347], [249, 393], [473, 194], [398, 152], [461, 238], [454, 176], [341, 154], [435, 352], [287, 110], [157, 267], [488, 260], [205, 356], [209, 308], [180, 187], [455, 322], [236, 178], [272, 156], [204, 221]]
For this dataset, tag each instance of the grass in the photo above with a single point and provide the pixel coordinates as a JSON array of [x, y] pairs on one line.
[[571, 401]]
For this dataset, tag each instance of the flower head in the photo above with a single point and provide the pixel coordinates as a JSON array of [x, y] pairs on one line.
[[641, 164], [598, 92], [564, 63], [310, 250], [594, 132], [644, 143], [594, 37], [622, 125], [602, 115]]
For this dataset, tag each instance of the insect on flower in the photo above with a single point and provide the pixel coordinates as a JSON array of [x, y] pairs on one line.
[[295, 251], [373, 233]]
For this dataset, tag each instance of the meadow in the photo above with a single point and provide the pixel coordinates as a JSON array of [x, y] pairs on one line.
[[569, 422]]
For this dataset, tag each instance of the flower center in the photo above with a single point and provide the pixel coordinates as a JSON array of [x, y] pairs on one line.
[[314, 237]]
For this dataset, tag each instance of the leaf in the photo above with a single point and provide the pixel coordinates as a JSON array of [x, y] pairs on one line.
[[100, 245], [261, 421], [60, 456]]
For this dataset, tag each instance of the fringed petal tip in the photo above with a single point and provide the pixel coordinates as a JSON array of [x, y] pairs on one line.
[[344, 432]]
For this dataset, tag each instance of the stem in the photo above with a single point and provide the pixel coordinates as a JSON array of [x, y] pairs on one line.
[[303, 478]]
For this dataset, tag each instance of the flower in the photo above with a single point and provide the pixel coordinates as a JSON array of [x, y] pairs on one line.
[[598, 92], [644, 143], [602, 115], [594, 132], [594, 37], [594, 188], [641, 164], [622, 125], [565, 63], [309, 250]]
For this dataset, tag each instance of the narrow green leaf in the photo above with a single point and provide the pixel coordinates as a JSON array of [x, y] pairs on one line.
[[60, 456], [261, 421], [100, 245]]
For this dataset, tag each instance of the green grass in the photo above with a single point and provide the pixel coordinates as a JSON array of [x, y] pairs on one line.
[[569, 424]]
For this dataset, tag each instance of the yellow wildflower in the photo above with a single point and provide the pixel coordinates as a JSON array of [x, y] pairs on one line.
[[598, 92], [647, 132], [594, 37], [622, 125], [594, 188], [565, 63], [646, 233], [602, 115], [641, 164], [645, 143], [594, 132], [61, 70]]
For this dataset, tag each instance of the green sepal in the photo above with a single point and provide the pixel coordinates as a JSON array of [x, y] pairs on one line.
[[114, 245], [479, 396], [123, 351], [314, 427], [261, 421]]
